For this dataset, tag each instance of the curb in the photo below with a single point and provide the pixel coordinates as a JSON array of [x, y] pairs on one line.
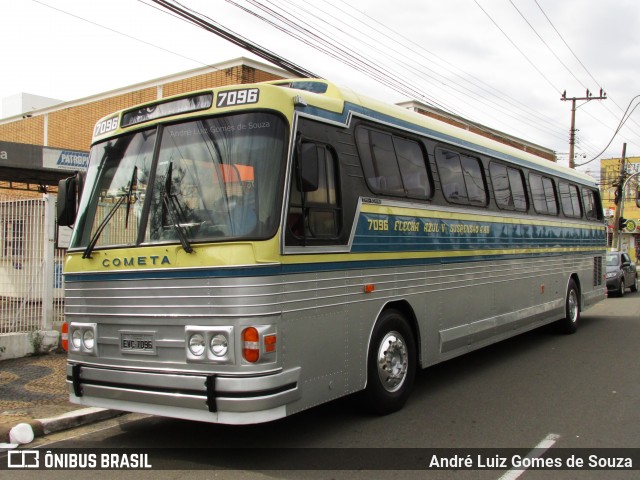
[[76, 418]]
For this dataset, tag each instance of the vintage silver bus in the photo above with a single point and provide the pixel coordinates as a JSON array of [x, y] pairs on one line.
[[244, 253]]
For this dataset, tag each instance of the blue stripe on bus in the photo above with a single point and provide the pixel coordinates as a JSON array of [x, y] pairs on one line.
[[397, 233], [284, 269]]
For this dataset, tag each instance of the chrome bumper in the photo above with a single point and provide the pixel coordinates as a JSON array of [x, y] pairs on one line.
[[174, 394]]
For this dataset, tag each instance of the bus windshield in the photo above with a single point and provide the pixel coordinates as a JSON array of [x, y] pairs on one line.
[[212, 179]]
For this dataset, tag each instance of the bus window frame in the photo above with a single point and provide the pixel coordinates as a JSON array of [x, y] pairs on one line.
[[368, 163], [460, 155]]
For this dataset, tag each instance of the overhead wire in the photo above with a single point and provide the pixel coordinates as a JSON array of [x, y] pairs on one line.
[[419, 67], [410, 89], [395, 76], [623, 120], [420, 50], [131, 37], [581, 63], [212, 26], [535, 67], [338, 52]]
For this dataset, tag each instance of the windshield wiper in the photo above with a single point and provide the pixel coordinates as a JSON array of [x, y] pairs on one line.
[[134, 178], [112, 212], [96, 236], [173, 210]]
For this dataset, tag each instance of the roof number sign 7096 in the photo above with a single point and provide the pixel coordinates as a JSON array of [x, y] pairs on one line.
[[105, 126], [238, 97]]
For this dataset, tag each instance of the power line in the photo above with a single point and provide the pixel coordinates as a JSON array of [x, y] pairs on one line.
[[546, 44], [581, 64], [302, 26], [445, 64], [121, 33], [417, 65], [623, 120], [215, 27], [517, 48]]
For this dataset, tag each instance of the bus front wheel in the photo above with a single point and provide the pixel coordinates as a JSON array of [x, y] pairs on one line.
[[391, 364]]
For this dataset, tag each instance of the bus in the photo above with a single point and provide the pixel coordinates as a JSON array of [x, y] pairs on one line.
[[244, 253]]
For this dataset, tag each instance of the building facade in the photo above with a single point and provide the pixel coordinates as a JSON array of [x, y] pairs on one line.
[[610, 175]]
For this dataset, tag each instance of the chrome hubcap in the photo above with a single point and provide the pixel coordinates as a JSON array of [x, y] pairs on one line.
[[393, 361], [573, 306]]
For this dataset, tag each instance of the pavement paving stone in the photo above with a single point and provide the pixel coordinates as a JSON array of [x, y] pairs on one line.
[[34, 388]]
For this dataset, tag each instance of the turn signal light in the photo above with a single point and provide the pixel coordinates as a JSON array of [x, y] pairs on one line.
[[269, 343], [250, 344]]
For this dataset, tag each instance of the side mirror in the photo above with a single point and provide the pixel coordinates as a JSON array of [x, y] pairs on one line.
[[69, 192], [309, 165]]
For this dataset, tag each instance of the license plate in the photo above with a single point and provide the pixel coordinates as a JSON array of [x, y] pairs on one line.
[[143, 343]]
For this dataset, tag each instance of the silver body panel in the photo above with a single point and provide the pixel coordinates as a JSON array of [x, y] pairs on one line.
[[324, 321]]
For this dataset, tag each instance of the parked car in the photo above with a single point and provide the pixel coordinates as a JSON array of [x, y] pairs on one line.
[[621, 273]]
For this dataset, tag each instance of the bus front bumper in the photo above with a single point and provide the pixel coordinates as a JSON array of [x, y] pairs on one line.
[[213, 398]]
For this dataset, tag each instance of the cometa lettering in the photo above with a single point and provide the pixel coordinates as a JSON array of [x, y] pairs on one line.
[[142, 261]]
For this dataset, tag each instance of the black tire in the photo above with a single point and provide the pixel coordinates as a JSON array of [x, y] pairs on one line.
[[634, 285], [391, 364], [569, 324], [622, 288]]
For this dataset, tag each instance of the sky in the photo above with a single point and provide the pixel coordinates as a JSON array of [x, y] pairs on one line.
[[502, 63]]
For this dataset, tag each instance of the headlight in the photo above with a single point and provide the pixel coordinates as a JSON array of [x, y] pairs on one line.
[[76, 339], [196, 345], [84, 338], [88, 339], [219, 345], [612, 274], [210, 344]]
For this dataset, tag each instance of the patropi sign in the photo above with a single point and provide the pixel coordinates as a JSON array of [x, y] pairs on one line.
[[64, 159]]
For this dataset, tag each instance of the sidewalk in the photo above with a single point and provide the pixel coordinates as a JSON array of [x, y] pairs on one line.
[[33, 390]]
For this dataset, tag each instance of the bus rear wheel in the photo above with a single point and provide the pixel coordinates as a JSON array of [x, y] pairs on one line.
[[569, 324], [391, 364]]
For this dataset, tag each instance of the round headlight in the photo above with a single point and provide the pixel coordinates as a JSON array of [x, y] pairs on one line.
[[196, 344], [76, 339], [89, 340], [219, 345]]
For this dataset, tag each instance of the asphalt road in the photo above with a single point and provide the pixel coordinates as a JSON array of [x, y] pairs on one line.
[[573, 392]]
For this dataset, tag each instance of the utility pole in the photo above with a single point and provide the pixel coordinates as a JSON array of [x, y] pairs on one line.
[[619, 199], [572, 132]]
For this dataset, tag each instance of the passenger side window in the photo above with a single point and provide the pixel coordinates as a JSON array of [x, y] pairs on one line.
[[316, 214], [461, 178], [591, 204], [393, 165], [508, 187], [570, 200], [543, 194]]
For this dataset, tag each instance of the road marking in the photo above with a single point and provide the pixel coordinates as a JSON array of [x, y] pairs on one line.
[[537, 451]]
